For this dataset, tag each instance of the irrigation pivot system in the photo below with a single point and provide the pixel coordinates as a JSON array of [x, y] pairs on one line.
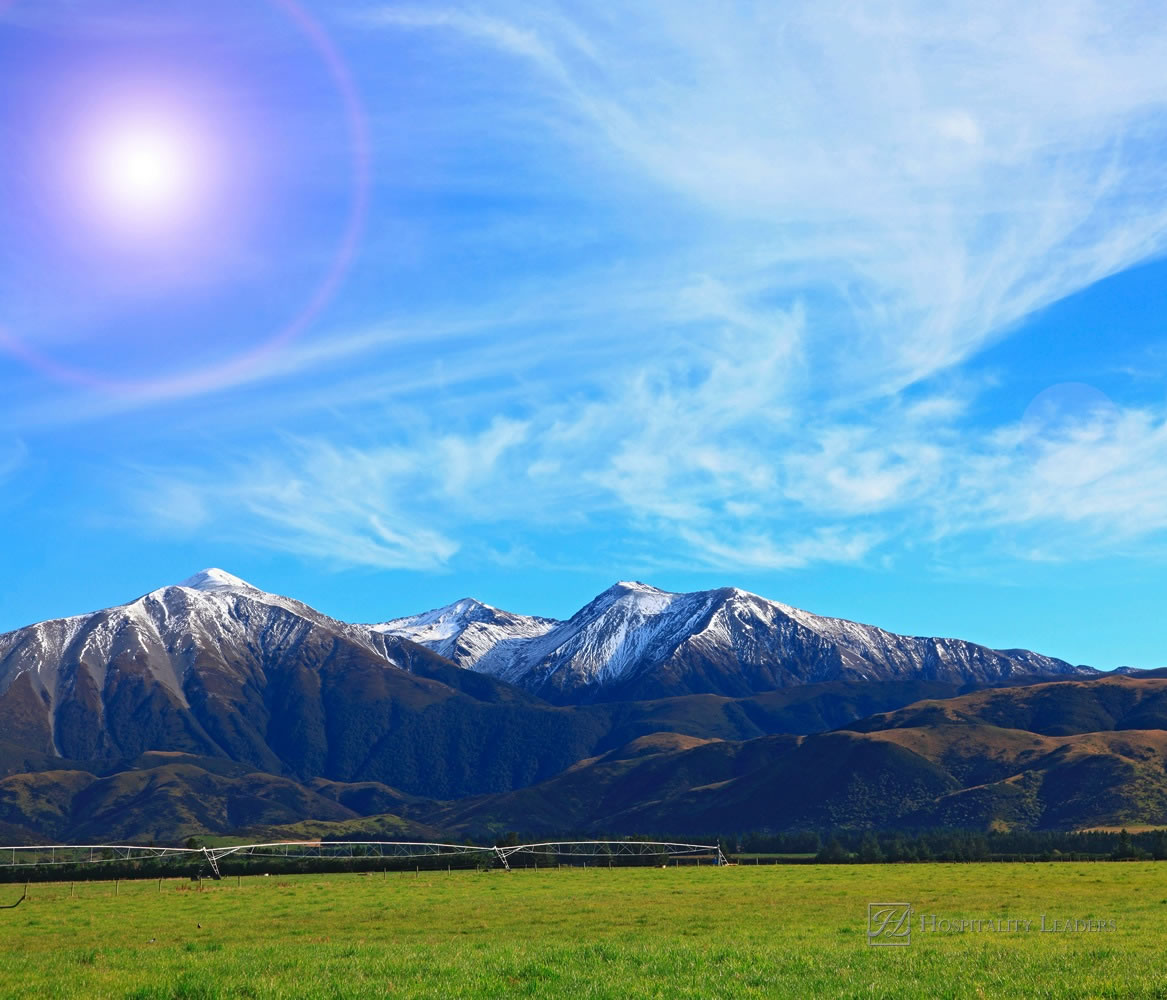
[[365, 852]]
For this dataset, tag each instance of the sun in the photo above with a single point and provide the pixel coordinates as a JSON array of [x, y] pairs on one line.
[[141, 169], [144, 172]]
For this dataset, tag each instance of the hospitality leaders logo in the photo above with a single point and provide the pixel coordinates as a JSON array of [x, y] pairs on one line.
[[889, 924]]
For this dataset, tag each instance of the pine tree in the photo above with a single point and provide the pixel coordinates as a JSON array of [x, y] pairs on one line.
[[1159, 845], [833, 853], [869, 850]]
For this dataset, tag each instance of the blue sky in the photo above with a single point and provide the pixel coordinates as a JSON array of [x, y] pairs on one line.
[[860, 311]]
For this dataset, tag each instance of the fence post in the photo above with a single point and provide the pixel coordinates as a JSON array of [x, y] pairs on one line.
[[115, 886]]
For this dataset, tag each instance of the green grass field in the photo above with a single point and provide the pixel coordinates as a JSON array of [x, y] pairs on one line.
[[763, 931]]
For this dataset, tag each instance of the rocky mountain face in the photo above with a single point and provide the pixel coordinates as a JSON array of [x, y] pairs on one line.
[[634, 641]]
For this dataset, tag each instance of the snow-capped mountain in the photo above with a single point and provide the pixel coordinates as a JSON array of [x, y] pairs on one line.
[[167, 632], [211, 666], [635, 641], [467, 630]]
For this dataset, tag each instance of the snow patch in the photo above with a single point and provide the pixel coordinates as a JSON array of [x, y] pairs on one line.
[[215, 579]]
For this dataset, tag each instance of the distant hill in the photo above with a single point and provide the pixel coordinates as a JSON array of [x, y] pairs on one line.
[[168, 802], [937, 763], [1061, 709]]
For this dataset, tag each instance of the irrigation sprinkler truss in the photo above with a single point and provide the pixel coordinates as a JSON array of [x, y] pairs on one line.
[[611, 849], [551, 852]]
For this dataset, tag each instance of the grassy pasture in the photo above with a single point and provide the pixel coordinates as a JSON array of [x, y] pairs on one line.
[[750, 931]]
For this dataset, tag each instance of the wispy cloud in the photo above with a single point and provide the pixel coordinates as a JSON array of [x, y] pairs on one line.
[[869, 199], [944, 174], [1099, 481], [347, 506], [702, 467]]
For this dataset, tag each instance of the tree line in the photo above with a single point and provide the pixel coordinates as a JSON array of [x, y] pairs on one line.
[[850, 846]]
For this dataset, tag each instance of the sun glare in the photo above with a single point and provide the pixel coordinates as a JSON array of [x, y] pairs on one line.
[[144, 173]]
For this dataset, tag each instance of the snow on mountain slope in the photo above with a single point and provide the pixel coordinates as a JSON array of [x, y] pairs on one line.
[[604, 639], [167, 628], [210, 638], [635, 641], [465, 631], [217, 579], [625, 628]]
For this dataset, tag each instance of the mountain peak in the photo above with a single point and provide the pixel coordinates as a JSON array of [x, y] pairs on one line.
[[465, 609], [465, 605], [466, 630], [634, 586], [215, 579]]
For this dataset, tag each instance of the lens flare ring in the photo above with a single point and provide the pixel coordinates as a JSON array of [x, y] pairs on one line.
[[150, 161]]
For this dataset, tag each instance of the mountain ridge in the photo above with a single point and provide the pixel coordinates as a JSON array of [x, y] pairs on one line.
[[635, 641]]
